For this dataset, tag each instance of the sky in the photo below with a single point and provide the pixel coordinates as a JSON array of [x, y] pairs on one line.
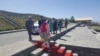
[[55, 8]]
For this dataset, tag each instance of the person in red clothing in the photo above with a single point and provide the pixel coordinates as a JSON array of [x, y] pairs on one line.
[[45, 33]]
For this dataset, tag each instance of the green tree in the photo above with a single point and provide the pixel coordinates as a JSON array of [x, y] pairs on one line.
[[72, 19]]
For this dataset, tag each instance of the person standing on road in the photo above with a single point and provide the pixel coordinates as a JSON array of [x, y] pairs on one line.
[[66, 23], [51, 25], [40, 21], [45, 33], [29, 26], [59, 25], [54, 26]]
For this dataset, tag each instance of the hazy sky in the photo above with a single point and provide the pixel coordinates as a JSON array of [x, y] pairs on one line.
[[55, 8]]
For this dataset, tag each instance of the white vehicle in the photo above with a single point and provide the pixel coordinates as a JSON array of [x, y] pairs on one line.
[[35, 28]]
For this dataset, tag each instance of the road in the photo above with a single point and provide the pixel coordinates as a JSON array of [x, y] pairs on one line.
[[18, 36], [80, 36], [14, 37]]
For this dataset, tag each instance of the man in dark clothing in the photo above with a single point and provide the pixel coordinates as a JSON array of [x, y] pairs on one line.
[[60, 25], [55, 26], [29, 26], [66, 23], [40, 21]]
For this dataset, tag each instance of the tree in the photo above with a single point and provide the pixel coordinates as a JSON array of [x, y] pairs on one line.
[[72, 19]]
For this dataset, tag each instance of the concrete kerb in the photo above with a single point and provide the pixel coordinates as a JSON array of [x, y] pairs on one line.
[[11, 31]]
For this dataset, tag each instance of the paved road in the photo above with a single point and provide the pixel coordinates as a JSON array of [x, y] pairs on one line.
[[12, 43], [13, 37], [80, 36]]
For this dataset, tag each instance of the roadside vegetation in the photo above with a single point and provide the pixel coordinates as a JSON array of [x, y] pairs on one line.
[[20, 19], [97, 28], [5, 25]]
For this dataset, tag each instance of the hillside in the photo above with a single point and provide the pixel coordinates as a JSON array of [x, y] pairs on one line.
[[5, 25], [18, 18]]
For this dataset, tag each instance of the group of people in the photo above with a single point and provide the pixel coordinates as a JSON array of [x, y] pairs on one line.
[[46, 26], [54, 24]]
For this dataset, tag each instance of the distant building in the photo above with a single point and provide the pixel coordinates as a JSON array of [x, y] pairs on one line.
[[86, 20]]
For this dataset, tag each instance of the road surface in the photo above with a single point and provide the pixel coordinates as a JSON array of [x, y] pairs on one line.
[[14, 37]]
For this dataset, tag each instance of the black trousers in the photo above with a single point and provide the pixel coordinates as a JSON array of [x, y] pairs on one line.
[[30, 33]]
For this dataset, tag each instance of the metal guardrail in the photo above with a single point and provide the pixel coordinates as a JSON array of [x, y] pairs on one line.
[[11, 21]]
